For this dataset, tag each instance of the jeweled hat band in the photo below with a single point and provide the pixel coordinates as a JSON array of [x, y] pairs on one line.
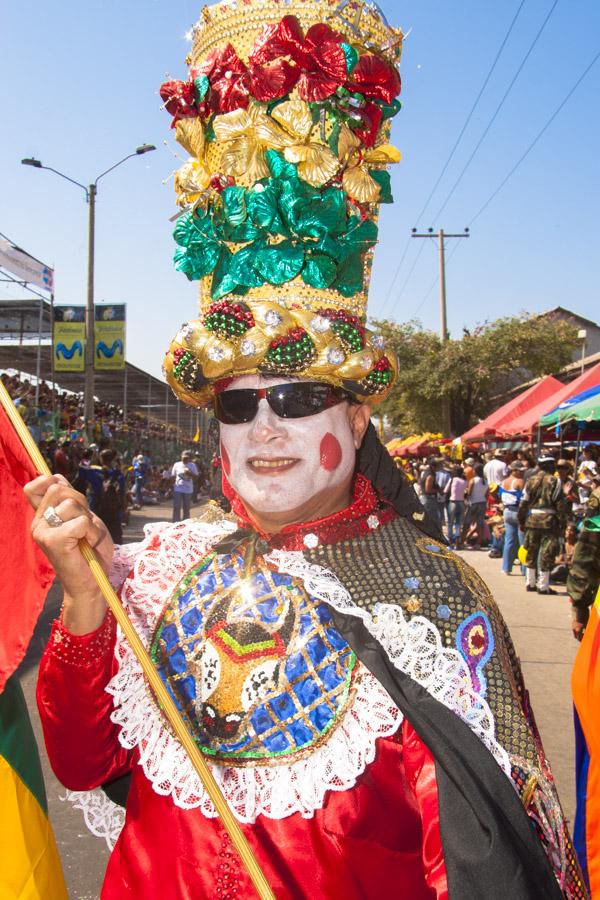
[[241, 338], [286, 125]]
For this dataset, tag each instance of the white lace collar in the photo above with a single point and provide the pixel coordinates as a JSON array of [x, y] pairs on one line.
[[150, 572]]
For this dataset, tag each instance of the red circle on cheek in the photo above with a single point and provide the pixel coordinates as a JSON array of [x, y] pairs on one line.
[[225, 460], [331, 452]]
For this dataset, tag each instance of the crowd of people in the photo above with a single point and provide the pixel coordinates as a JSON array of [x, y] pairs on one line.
[[62, 414], [535, 513], [114, 486]]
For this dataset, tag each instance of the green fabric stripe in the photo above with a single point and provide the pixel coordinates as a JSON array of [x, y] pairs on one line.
[[17, 742]]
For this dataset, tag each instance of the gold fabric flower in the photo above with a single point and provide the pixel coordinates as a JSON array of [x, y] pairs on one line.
[[190, 134], [356, 180], [244, 148], [191, 183], [247, 133], [316, 163]]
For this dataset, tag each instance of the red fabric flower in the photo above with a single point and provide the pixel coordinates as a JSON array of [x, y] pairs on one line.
[[269, 82], [283, 39], [232, 83], [375, 78], [226, 74], [372, 116], [179, 99], [320, 61]]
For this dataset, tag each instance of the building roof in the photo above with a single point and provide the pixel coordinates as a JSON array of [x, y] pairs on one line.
[[19, 329], [562, 312], [20, 319]]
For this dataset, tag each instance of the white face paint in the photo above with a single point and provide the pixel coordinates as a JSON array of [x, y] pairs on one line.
[[277, 465]]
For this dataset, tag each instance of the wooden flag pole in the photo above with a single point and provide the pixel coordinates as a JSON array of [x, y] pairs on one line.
[[161, 693]]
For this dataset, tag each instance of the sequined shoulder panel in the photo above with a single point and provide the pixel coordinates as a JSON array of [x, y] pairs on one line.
[[396, 564]]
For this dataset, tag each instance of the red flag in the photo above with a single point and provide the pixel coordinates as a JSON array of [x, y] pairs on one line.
[[25, 573]]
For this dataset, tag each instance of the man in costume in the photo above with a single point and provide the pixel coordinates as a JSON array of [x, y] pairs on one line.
[[543, 518], [584, 575], [349, 679]]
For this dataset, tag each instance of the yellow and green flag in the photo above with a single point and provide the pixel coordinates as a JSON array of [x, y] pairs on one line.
[[29, 863]]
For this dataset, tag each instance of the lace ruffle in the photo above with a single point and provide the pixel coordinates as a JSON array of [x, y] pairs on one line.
[[413, 645], [102, 817], [273, 791]]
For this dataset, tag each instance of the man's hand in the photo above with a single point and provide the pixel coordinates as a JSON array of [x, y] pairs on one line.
[[579, 621], [84, 606]]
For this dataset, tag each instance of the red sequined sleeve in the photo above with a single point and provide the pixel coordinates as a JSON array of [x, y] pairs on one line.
[[420, 770], [81, 740]]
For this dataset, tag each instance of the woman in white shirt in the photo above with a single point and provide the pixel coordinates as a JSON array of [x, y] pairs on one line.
[[455, 492], [477, 493]]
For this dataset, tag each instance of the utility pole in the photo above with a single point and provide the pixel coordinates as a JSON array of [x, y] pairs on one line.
[[88, 394], [442, 236]]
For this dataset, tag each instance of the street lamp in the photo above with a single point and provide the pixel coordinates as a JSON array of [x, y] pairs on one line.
[[90, 195]]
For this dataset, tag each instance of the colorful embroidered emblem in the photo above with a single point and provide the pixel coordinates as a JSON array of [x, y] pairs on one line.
[[256, 666], [475, 642]]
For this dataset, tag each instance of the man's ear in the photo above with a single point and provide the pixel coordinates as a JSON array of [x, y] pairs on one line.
[[359, 416]]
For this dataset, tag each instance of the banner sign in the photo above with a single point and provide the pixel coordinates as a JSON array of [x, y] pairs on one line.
[[25, 267], [109, 337], [68, 338]]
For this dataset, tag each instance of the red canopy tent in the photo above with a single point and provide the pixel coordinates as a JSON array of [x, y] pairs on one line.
[[518, 406], [526, 422], [414, 449]]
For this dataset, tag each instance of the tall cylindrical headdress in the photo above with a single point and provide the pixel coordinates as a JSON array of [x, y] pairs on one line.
[[286, 116]]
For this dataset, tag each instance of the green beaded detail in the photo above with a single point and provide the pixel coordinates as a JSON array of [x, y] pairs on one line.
[[225, 326], [349, 336], [378, 378], [291, 353], [184, 361]]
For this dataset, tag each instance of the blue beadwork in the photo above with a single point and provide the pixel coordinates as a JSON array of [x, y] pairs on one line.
[[311, 673]]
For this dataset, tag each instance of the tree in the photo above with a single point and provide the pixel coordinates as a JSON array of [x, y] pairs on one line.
[[471, 371]]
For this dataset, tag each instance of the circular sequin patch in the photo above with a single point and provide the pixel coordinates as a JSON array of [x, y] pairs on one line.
[[254, 664]]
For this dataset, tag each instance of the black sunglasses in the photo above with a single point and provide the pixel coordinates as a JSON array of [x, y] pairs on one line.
[[293, 400]]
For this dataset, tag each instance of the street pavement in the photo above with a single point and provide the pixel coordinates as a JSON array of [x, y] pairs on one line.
[[542, 636]]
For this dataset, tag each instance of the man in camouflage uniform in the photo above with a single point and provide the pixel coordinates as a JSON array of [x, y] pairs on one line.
[[584, 576], [592, 507], [542, 516]]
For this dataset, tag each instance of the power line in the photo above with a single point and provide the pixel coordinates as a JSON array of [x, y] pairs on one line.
[[444, 336], [435, 281], [396, 273], [497, 110], [457, 142], [516, 166], [477, 99], [537, 138], [410, 271]]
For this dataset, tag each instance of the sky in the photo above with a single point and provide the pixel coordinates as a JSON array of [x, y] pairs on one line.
[[84, 80]]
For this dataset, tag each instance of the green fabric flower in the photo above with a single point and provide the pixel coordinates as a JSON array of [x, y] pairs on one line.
[[321, 242]]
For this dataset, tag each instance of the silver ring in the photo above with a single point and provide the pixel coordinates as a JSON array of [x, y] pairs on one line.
[[52, 517]]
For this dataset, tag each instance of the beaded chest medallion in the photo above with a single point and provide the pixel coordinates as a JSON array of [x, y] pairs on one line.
[[254, 664]]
